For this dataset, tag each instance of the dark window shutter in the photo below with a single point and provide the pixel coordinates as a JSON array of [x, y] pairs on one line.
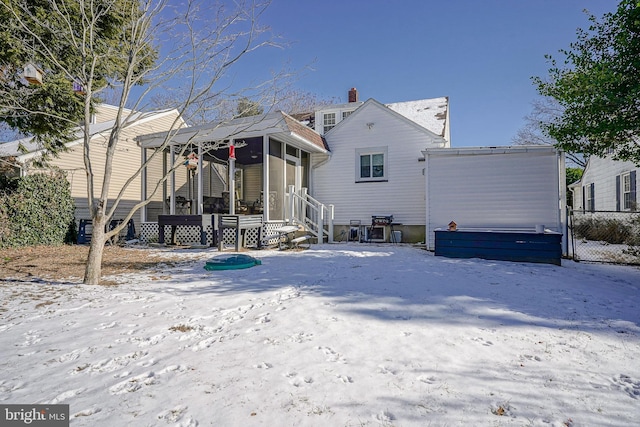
[[632, 176], [584, 199], [593, 197], [618, 193]]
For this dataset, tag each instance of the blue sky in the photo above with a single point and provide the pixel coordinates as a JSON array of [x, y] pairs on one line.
[[479, 53]]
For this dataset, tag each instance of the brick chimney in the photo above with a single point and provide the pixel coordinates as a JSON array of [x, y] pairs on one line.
[[353, 95]]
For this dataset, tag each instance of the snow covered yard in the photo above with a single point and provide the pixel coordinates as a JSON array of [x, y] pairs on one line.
[[339, 335]]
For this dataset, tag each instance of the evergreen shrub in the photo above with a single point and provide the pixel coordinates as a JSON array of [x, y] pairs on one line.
[[36, 210]]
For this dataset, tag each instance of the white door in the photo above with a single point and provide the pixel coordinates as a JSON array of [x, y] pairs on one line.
[[292, 176]]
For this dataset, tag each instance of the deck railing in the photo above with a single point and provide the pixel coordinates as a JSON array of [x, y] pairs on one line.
[[315, 217]]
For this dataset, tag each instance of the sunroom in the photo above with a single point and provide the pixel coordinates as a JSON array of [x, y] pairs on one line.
[[259, 165]]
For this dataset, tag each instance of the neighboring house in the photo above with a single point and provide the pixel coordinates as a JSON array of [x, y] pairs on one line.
[[126, 160], [607, 185], [375, 166]]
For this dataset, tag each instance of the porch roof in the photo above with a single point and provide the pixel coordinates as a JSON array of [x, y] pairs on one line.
[[278, 125]]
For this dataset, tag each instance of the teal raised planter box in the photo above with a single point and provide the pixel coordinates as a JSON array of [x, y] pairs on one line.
[[500, 245]]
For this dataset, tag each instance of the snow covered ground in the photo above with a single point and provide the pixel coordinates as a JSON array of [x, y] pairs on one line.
[[340, 335]]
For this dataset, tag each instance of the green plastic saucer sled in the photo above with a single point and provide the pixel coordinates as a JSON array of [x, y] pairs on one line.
[[231, 262]]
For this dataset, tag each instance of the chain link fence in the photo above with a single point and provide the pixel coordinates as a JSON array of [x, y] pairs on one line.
[[605, 236]]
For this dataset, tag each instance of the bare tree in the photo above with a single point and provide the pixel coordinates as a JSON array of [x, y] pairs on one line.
[[196, 45], [544, 111], [295, 101]]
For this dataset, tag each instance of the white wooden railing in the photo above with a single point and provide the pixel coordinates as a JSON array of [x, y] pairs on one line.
[[315, 217]]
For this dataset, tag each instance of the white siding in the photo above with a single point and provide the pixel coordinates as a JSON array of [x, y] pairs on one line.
[[602, 173], [402, 196], [496, 190]]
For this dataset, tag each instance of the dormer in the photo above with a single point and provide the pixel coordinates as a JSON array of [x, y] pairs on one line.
[[331, 115]]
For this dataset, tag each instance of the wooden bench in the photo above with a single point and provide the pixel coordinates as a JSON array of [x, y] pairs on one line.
[[240, 223], [295, 243], [85, 231]]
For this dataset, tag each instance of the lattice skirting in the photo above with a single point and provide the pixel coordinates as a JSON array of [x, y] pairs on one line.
[[184, 233], [268, 229], [191, 234]]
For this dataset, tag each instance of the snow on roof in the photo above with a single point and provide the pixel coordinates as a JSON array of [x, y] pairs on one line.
[[12, 148], [276, 122], [431, 114]]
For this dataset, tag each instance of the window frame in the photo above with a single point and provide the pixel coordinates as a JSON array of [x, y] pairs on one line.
[[370, 152], [589, 199], [625, 190], [328, 121]]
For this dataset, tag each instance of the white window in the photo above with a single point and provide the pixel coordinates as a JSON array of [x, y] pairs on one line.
[[590, 201], [329, 121], [371, 164], [626, 191], [346, 114]]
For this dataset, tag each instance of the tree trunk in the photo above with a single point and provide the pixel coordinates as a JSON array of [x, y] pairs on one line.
[[93, 270]]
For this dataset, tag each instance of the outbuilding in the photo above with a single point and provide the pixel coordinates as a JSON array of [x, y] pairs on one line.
[[495, 190]]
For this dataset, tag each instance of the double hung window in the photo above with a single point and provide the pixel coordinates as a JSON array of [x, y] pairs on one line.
[[371, 164]]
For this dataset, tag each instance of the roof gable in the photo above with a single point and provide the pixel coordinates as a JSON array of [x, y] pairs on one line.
[[372, 103]]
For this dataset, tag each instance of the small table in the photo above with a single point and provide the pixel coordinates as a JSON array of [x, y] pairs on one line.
[[285, 234], [240, 223], [175, 220]]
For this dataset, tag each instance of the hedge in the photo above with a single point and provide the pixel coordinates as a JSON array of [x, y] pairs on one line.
[[36, 210]]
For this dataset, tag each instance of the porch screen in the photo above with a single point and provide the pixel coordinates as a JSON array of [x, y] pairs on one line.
[[276, 181]]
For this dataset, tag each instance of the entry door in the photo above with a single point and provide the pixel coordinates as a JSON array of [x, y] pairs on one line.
[[292, 177]]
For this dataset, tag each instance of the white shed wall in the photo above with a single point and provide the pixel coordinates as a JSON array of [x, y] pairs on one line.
[[494, 190], [402, 196]]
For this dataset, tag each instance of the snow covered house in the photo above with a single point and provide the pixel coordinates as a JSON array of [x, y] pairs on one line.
[[607, 185], [360, 163], [126, 162], [363, 159], [375, 166]]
